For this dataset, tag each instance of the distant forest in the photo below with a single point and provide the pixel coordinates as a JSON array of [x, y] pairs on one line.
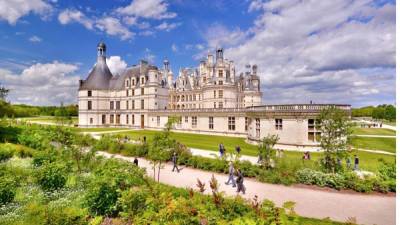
[[382, 112], [9, 110]]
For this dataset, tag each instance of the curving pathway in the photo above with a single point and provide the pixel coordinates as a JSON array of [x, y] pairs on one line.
[[339, 206]]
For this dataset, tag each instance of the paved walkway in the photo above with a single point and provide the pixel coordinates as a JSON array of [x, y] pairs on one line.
[[339, 206]]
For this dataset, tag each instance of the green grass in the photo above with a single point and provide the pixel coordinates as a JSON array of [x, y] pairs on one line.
[[368, 160], [391, 123], [374, 131], [97, 129], [375, 143], [49, 119]]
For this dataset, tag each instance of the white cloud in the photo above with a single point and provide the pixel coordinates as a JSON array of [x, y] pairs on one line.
[[149, 56], [151, 9], [112, 26], [71, 15], [42, 84], [174, 48], [116, 64], [130, 20], [326, 51], [167, 26], [13, 10], [35, 38], [146, 33]]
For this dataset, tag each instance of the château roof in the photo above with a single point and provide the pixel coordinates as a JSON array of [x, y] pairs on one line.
[[99, 77]]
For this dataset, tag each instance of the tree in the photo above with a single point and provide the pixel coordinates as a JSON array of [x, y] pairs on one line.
[[3, 93], [335, 127], [62, 115], [265, 149]]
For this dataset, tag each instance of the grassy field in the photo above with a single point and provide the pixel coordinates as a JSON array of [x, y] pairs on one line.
[[375, 143], [368, 161], [50, 119], [97, 129], [374, 131]]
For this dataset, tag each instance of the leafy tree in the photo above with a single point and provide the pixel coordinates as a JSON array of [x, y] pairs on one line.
[[335, 127], [265, 149], [62, 115], [3, 92]]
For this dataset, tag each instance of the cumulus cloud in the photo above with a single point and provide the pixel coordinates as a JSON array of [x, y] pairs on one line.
[[326, 51], [12, 10], [174, 48], [116, 65], [42, 84], [35, 38], [71, 15], [150, 9], [112, 26], [167, 26]]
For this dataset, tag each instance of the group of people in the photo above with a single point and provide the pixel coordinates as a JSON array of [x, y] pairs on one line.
[[356, 162], [222, 149], [307, 155], [238, 182]]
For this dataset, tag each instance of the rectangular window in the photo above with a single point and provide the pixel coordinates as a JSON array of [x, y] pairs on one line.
[[111, 105], [311, 136], [127, 93], [103, 119], [91, 120], [89, 93], [311, 124], [142, 104], [215, 105], [118, 105], [278, 124], [194, 97], [231, 123], [220, 105], [111, 119], [220, 73], [142, 80], [133, 119], [133, 92], [220, 82], [220, 93], [133, 104], [127, 104], [211, 123], [215, 94], [127, 119], [257, 127], [246, 123], [89, 105], [158, 121], [118, 119], [186, 119], [142, 91], [194, 121]]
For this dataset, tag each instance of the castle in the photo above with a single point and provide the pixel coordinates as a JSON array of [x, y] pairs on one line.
[[210, 99]]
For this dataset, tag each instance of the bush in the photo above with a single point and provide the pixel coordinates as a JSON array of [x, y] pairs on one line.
[[6, 152], [102, 199], [312, 177], [41, 157], [52, 176], [7, 190], [132, 202]]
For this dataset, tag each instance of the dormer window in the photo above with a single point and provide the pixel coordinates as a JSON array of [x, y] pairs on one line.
[[127, 83], [89, 93], [142, 80]]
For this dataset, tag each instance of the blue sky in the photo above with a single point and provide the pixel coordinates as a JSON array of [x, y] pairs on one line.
[[327, 51]]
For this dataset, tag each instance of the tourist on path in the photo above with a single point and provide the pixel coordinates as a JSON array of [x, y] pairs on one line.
[[238, 150], [221, 149], [136, 162], [239, 181], [356, 162], [348, 163], [231, 175], [175, 162]]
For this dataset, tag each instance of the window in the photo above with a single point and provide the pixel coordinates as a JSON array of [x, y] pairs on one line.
[[142, 91], [211, 123], [127, 83], [158, 121], [111, 105], [186, 119], [311, 136], [127, 119], [118, 120], [220, 105], [311, 124], [127, 93], [278, 124], [127, 104], [215, 94], [204, 79], [133, 104], [91, 120], [194, 97], [215, 105], [103, 119], [133, 92], [246, 123], [194, 121], [89, 93], [142, 104], [133, 119], [220, 82], [117, 105], [257, 127], [142, 80], [220, 93], [89, 105], [231, 123], [111, 118], [220, 73]]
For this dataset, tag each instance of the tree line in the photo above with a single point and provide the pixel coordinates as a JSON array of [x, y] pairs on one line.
[[385, 112]]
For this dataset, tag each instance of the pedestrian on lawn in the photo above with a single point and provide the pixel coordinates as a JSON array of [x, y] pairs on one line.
[[238, 149], [231, 175], [348, 162], [221, 149], [356, 162], [144, 139], [175, 162], [239, 181], [136, 161]]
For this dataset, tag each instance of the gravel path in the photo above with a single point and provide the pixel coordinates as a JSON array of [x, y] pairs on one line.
[[339, 206]]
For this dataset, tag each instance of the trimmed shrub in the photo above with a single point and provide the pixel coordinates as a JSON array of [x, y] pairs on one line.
[[7, 190], [101, 199], [6, 152], [52, 176]]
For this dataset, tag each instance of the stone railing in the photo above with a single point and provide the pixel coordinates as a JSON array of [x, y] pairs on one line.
[[296, 107]]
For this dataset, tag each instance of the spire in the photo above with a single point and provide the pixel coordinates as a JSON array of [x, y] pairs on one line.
[[101, 49]]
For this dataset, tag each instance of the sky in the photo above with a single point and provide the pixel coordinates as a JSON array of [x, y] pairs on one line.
[[340, 51]]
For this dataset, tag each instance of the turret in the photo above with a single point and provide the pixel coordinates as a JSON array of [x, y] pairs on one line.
[[220, 55], [254, 69]]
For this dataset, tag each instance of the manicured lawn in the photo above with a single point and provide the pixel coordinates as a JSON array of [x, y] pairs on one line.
[[375, 143], [392, 123], [50, 119], [97, 129], [368, 160], [374, 131]]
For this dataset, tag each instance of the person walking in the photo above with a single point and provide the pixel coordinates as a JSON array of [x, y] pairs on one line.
[[231, 175], [239, 182], [221, 149], [356, 162], [348, 162], [238, 150], [136, 161], [175, 162]]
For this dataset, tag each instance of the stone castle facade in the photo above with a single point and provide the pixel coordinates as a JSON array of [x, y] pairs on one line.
[[209, 99]]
